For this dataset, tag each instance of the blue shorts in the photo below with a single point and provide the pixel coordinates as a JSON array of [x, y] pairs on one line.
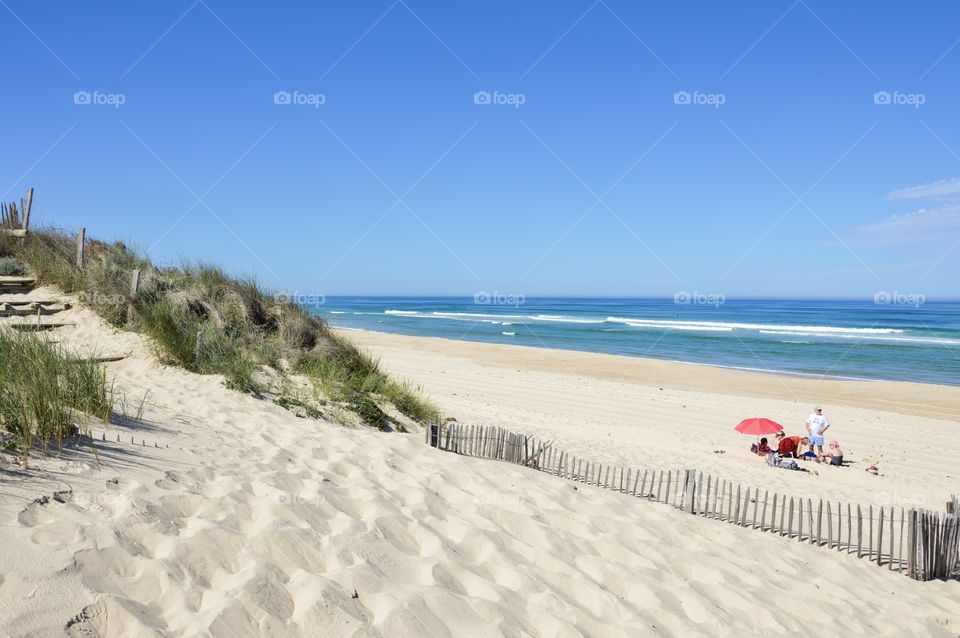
[[816, 440]]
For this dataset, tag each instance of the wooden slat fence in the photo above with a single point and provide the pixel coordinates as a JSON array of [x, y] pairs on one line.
[[14, 220], [922, 544]]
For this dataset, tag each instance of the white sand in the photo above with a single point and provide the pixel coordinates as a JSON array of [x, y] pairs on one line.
[[254, 522]]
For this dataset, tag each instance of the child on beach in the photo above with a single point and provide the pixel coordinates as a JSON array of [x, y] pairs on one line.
[[762, 449], [834, 457]]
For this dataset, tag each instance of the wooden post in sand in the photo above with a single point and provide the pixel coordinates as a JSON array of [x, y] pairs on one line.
[[198, 351], [729, 501], [859, 533], [912, 544], [790, 522], [134, 287], [718, 499], [879, 538], [26, 209], [736, 510], [849, 528], [81, 235], [800, 520], [689, 489], [890, 564], [763, 514], [820, 523], [829, 526]]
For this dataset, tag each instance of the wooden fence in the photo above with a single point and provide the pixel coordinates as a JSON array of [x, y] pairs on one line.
[[920, 543], [14, 220]]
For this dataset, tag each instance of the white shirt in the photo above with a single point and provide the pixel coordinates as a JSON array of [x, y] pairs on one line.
[[817, 423]]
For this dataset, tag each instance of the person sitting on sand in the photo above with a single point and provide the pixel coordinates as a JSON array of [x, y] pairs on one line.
[[762, 449], [834, 457], [789, 446]]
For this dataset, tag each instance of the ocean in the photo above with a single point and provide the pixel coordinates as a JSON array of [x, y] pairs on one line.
[[894, 339]]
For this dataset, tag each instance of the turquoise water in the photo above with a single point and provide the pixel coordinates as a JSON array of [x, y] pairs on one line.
[[842, 339]]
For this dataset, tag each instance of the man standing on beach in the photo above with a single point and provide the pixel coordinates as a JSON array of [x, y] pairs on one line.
[[817, 425]]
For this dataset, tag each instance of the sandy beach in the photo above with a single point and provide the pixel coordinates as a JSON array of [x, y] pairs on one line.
[[650, 413], [229, 516]]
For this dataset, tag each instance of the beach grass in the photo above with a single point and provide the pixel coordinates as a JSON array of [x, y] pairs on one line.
[[243, 327], [42, 388]]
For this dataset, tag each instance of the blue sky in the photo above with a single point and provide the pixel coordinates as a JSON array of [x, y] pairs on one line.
[[625, 149]]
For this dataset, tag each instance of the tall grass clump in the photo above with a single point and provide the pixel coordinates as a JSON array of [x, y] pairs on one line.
[[243, 328], [42, 389]]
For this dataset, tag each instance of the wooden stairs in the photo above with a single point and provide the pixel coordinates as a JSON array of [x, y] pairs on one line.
[[18, 313]]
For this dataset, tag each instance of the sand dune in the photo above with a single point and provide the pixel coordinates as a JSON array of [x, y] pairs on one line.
[[247, 521]]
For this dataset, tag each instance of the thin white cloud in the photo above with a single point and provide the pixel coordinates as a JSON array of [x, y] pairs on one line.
[[923, 225], [943, 188]]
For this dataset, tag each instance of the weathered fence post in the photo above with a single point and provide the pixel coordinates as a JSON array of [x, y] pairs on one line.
[[880, 538], [689, 489], [134, 287], [829, 526], [890, 564], [912, 544], [81, 236], [198, 350], [26, 210], [859, 533]]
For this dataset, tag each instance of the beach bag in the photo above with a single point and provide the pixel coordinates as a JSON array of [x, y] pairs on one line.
[[772, 459], [789, 464]]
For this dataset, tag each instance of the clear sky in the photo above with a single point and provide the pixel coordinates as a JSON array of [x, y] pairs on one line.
[[343, 148]]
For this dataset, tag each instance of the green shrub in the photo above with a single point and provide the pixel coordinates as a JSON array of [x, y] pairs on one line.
[[10, 267]]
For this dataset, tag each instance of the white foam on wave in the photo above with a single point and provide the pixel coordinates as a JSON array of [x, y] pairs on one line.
[[473, 315], [508, 334], [724, 325], [564, 319], [890, 335], [941, 341], [452, 316], [670, 325]]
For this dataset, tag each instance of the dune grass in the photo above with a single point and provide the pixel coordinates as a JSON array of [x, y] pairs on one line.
[[40, 388], [243, 327]]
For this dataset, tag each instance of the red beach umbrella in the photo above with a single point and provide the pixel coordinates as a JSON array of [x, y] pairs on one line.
[[758, 426]]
